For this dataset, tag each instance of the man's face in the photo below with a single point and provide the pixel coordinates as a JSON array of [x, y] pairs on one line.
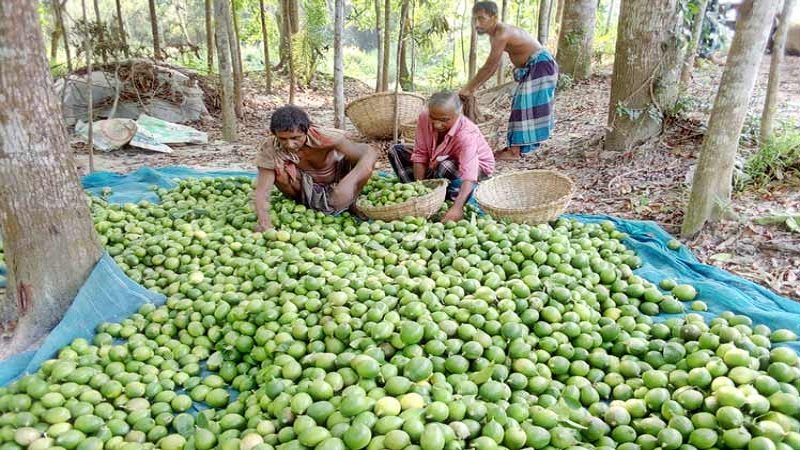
[[443, 118], [292, 140], [484, 22]]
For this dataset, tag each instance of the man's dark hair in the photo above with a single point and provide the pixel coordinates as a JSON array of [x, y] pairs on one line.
[[289, 118], [487, 7]]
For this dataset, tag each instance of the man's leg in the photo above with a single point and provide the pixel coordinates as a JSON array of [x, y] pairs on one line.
[[400, 160], [352, 181]]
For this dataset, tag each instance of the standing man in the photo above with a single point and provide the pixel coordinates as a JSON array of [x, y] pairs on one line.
[[446, 145], [318, 167], [536, 71]]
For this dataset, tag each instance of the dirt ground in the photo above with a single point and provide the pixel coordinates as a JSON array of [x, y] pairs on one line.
[[646, 183]]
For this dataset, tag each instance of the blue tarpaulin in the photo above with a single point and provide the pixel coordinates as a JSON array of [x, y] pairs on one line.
[[109, 295]]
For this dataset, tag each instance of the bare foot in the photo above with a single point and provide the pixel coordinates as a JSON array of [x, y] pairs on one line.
[[507, 154]]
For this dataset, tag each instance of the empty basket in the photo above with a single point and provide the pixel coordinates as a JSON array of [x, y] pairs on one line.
[[531, 197], [373, 115]]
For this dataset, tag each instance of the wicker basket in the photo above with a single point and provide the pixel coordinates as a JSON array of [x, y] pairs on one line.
[[422, 206], [408, 130], [373, 114], [532, 196]]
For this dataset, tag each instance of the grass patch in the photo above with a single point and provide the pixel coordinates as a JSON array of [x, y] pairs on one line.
[[776, 160]]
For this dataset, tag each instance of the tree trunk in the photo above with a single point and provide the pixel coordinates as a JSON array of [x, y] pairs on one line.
[[222, 16], [575, 40], [411, 25], [379, 37], [87, 51], [180, 12], [209, 35], [154, 29], [49, 239], [501, 69], [293, 7], [773, 85], [473, 48], [287, 29], [559, 18], [544, 21], [691, 51], [265, 40], [121, 30], [236, 55], [387, 49], [99, 21], [610, 14], [643, 41], [58, 29], [405, 76], [338, 65], [711, 186]]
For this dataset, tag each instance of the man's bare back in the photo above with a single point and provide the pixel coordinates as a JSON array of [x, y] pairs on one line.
[[518, 44]]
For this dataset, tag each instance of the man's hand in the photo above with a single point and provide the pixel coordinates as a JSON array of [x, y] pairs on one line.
[[453, 214], [466, 92], [264, 224]]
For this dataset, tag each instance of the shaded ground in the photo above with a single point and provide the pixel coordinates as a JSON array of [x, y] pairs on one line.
[[648, 183]]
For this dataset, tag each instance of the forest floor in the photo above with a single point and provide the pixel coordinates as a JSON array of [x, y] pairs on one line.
[[650, 182]]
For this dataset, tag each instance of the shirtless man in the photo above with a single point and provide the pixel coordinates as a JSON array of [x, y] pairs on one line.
[[318, 167], [532, 119]]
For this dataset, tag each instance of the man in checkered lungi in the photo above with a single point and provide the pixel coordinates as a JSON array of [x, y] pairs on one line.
[[447, 145], [532, 116]]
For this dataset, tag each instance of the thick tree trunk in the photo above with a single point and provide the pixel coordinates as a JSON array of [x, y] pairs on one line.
[[236, 58], [154, 29], [287, 29], [222, 16], [265, 41], [49, 239], [379, 38], [778, 51], [209, 35], [544, 21], [575, 39], [711, 186], [338, 65], [643, 46], [387, 49], [405, 75], [121, 30], [501, 69], [691, 51], [473, 49]]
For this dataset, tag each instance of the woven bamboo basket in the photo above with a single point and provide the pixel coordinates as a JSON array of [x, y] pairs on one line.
[[531, 197], [422, 206], [373, 114], [408, 130]]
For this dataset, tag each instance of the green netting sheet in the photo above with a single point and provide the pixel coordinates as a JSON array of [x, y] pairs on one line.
[[109, 295]]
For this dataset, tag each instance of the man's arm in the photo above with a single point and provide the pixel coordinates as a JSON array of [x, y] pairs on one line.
[[363, 157], [264, 182], [419, 171], [489, 67]]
